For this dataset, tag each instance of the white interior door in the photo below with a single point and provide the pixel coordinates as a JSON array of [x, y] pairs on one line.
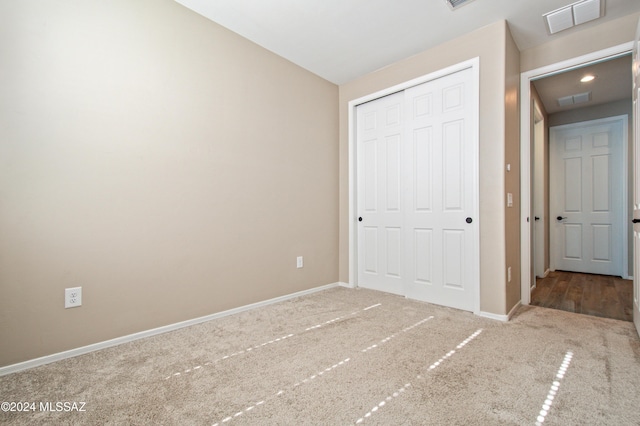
[[417, 168], [587, 192], [636, 181], [440, 215], [380, 234]]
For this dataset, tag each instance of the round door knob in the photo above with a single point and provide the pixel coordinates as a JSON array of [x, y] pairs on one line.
[[360, 219], [469, 220]]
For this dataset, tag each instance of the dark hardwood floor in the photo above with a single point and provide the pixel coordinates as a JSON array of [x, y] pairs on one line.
[[597, 295]]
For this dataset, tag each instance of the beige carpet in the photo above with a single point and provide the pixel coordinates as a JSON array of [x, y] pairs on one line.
[[344, 357]]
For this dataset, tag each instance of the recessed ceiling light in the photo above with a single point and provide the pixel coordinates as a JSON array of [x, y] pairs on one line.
[[587, 78]]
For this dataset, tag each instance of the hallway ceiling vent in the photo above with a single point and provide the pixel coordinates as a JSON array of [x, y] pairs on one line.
[[454, 4], [574, 99], [574, 14]]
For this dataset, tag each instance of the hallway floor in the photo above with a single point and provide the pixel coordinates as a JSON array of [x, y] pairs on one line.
[[597, 295]]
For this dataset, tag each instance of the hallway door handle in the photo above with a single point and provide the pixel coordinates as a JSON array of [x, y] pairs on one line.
[[561, 217], [635, 221]]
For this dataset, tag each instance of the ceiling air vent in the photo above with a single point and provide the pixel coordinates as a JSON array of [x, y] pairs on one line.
[[574, 14], [574, 99], [454, 4]]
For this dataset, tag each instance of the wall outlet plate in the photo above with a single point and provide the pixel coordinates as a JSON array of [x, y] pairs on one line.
[[72, 297]]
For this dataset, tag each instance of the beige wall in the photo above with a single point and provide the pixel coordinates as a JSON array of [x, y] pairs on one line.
[[512, 178], [168, 166], [611, 109], [487, 43]]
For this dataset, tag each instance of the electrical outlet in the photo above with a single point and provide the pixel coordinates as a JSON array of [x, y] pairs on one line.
[[300, 262], [72, 297]]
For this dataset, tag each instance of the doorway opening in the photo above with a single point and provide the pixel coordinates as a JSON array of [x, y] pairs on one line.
[[545, 105]]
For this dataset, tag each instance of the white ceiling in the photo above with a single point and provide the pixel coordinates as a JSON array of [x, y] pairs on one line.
[[341, 40]]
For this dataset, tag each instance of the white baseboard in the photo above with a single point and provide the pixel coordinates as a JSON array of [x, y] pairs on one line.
[[503, 318], [14, 368], [513, 311], [347, 285]]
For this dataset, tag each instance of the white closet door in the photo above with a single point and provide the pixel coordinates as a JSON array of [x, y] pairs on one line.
[[417, 171], [440, 217], [380, 233]]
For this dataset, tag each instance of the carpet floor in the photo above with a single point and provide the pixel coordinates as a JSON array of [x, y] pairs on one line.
[[345, 357]]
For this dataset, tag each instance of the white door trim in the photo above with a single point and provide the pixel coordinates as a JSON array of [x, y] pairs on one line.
[[474, 64], [525, 148], [635, 161]]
